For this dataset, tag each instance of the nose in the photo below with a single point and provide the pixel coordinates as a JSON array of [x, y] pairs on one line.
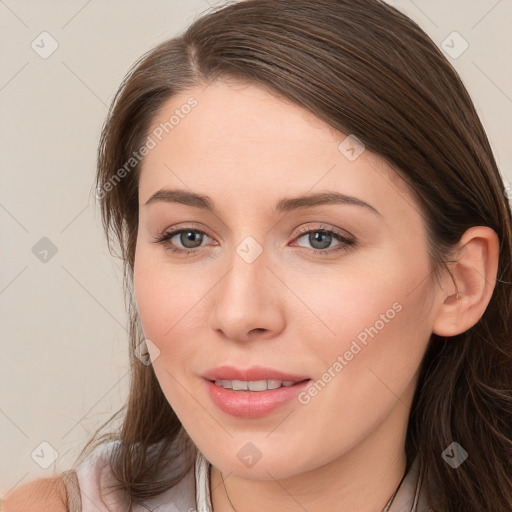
[[248, 301]]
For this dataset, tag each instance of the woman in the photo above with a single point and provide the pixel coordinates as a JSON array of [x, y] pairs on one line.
[[317, 247]]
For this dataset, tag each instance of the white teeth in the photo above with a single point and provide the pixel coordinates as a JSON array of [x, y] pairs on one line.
[[239, 385], [254, 385], [273, 384]]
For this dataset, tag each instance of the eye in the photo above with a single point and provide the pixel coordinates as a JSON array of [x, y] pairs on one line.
[[321, 238], [189, 238]]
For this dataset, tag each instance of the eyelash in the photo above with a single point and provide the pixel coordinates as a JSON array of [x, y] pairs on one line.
[[345, 243]]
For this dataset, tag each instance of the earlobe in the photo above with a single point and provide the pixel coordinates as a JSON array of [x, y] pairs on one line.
[[471, 284]]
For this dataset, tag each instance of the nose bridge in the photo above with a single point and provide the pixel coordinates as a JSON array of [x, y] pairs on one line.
[[245, 298]]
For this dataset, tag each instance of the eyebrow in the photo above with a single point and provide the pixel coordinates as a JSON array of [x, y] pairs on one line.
[[286, 204]]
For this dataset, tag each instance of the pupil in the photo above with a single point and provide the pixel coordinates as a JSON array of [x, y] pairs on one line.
[[190, 236], [313, 238]]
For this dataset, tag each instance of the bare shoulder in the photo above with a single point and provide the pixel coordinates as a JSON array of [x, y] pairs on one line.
[[41, 495]]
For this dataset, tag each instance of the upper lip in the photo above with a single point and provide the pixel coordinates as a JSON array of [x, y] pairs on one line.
[[253, 373]]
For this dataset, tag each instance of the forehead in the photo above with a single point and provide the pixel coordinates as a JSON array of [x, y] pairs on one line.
[[240, 139], [232, 113]]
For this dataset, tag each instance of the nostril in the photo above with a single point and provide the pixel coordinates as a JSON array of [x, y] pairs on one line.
[[258, 329]]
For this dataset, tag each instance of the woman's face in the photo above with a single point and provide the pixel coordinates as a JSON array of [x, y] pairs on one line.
[[267, 286]]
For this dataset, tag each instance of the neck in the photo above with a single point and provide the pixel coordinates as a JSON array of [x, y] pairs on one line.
[[361, 480]]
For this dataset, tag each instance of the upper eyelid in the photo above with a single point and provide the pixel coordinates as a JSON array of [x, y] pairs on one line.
[[322, 227]]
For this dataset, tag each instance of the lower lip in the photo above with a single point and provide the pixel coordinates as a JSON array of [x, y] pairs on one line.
[[252, 404]]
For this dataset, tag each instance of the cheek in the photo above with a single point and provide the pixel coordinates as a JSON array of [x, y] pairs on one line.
[[373, 317], [367, 368], [165, 296], [172, 306], [341, 303], [163, 299], [149, 298]]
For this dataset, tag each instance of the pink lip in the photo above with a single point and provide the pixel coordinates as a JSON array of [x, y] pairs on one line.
[[252, 404], [253, 373]]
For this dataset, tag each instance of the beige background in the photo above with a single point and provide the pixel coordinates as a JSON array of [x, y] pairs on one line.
[[64, 356]]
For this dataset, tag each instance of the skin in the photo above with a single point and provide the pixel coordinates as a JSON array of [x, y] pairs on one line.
[[291, 308], [41, 495]]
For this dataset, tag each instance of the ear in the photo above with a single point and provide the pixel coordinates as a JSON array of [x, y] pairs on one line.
[[463, 300]]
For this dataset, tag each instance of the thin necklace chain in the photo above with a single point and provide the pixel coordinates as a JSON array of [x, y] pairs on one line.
[[386, 508]]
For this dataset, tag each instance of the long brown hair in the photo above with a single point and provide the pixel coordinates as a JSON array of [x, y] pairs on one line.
[[365, 69]]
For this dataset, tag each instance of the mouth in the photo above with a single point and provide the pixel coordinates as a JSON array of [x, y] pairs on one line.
[[253, 399], [255, 385]]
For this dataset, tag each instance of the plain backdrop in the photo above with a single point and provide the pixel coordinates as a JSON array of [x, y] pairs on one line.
[[64, 359]]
